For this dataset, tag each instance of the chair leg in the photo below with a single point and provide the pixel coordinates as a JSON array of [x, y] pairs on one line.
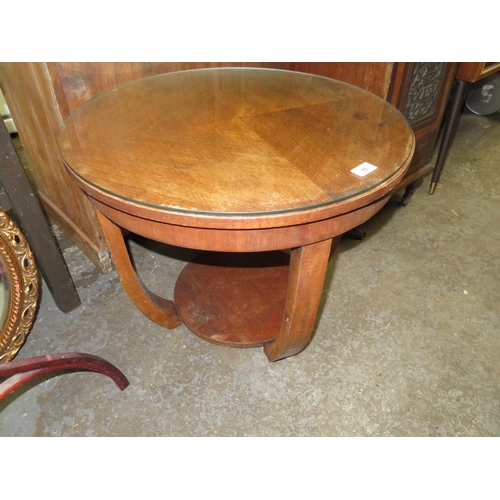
[[450, 128], [24, 370]]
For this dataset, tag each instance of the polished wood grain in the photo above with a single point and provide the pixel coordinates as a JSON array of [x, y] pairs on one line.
[[40, 95], [237, 236], [234, 299], [156, 308], [66, 85], [305, 284], [244, 143], [236, 160]]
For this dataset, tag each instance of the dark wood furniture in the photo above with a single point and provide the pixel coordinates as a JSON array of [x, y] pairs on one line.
[[41, 95], [17, 197], [241, 164], [420, 92], [468, 72]]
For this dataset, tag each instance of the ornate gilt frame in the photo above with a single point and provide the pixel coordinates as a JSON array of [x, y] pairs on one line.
[[22, 274]]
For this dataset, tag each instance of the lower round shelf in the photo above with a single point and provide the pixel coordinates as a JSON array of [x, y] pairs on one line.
[[234, 299]]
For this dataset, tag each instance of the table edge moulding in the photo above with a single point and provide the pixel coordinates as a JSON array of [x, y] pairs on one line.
[[261, 275]]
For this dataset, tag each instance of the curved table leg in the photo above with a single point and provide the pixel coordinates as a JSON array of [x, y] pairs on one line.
[[156, 308], [305, 284], [24, 370]]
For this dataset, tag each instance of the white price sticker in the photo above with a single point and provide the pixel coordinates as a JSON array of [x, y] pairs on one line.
[[363, 169]]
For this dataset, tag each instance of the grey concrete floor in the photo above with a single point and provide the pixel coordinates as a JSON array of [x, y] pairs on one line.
[[407, 341]]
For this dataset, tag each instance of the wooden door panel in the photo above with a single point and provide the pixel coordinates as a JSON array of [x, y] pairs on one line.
[[28, 91], [373, 76], [75, 83]]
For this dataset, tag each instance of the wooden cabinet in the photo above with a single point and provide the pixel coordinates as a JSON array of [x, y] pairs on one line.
[[474, 71], [420, 92], [41, 95]]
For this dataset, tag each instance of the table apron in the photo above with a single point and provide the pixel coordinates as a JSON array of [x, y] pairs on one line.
[[241, 240]]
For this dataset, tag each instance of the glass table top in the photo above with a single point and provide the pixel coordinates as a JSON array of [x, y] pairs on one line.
[[235, 141]]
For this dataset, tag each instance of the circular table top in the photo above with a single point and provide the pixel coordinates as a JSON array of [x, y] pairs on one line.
[[234, 142]]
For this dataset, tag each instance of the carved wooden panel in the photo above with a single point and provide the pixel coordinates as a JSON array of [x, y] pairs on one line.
[[420, 91], [423, 92]]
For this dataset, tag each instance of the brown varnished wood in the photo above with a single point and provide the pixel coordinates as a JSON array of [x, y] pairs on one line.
[[72, 83], [156, 308], [28, 91], [76, 82], [222, 136], [474, 71], [234, 299], [233, 239], [40, 96], [237, 160], [372, 76], [146, 215], [305, 284]]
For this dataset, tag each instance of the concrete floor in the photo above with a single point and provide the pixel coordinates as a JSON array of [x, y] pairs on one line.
[[407, 341]]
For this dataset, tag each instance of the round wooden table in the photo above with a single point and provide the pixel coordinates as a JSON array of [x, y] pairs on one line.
[[242, 164]]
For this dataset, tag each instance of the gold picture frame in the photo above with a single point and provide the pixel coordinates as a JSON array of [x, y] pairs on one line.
[[18, 288]]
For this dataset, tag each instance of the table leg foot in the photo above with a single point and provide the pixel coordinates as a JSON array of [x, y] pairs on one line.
[[357, 234], [157, 309], [305, 284], [410, 191]]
